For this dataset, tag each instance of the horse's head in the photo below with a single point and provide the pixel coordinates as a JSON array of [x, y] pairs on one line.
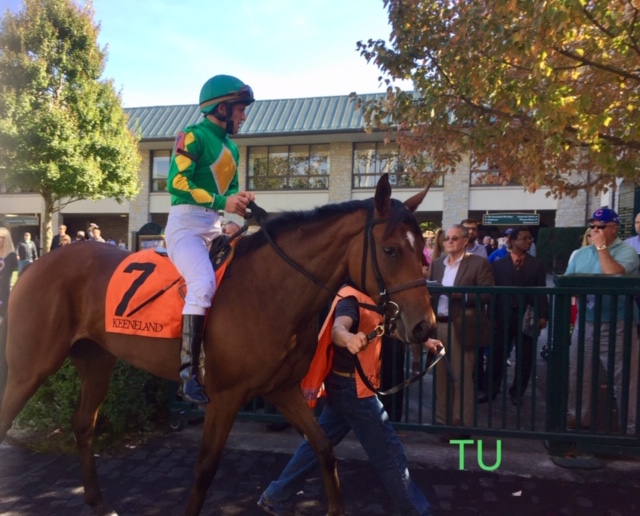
[[387, 263]]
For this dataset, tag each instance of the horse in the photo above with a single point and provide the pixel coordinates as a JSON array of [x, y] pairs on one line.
[[259, 339]]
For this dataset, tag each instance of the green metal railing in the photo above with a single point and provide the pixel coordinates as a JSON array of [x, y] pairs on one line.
[[543, 413]]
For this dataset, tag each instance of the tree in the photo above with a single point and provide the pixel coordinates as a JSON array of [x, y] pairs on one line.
[[63, 132], [543, 91]]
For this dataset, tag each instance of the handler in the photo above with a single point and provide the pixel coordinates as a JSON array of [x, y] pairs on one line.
[[350, 406], [203, 178]]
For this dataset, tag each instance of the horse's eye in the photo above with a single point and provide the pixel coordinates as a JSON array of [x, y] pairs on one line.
[[390, 251]]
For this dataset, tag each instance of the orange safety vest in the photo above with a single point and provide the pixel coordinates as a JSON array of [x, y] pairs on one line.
[[323, 359]]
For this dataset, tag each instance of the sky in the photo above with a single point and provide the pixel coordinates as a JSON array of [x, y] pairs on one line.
[[160, 52]]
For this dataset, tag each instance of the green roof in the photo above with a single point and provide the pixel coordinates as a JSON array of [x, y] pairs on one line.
[[264, 117]]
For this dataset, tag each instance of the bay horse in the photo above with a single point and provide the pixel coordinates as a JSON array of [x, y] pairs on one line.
[[259, 340]]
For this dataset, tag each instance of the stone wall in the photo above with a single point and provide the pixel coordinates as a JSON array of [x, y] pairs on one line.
[[456, 194], [340, 165]]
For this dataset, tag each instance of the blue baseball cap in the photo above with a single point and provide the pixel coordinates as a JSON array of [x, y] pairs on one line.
[[606, 215]]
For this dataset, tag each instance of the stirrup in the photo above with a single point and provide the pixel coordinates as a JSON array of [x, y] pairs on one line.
[[192, 392]]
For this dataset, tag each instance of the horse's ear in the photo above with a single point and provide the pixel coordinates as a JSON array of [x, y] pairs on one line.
[[383, 195], [413, 202]]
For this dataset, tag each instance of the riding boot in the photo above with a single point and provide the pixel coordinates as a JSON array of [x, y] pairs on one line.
[[192, 330]]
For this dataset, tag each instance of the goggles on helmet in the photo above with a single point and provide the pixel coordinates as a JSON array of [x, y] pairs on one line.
[[244, 95]]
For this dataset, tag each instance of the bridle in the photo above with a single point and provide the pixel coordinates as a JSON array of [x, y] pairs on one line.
[[385, 306]]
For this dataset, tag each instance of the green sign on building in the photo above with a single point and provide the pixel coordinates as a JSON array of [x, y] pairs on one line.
[[511, 219]]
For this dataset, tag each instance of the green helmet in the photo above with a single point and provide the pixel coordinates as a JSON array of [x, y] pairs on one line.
[[224, 88]]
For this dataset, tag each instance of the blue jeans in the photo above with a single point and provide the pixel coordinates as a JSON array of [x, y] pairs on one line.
[[367, 418]]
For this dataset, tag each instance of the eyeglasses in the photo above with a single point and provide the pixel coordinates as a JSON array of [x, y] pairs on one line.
[[452, 238], [601, 227], [525, 238]]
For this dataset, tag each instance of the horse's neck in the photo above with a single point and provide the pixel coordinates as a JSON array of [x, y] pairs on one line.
[[322, 249]]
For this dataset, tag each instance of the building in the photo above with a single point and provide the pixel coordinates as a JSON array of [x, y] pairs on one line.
[[298, 154]]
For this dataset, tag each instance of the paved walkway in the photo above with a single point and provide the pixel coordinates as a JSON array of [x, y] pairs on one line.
[[155, 479]]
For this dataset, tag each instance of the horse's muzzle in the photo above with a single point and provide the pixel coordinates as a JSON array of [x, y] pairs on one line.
[[422, 331]]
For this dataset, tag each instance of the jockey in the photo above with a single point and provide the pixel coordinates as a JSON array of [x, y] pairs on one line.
[[203, 179]]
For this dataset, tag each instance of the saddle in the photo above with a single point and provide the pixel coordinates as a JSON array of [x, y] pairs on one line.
[[146, 293]]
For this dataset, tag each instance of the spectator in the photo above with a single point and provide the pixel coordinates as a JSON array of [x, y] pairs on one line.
[[90, 232], [62, 230], [518, 269], [487, 243], [606, 255], [634, 241], [474, 247], [8, 265], [503, 251], [427, 251], [459, 268], [27, 252], [586, 240], [438, 244], [97, 235], [80, 236]]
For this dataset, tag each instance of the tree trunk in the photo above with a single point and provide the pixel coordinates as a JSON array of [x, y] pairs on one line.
[[46, 234]]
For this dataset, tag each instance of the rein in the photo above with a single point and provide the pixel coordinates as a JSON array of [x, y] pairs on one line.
[[385, 307]]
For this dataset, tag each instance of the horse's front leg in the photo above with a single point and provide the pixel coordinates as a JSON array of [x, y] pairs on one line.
[[293, 406], [218, 420]]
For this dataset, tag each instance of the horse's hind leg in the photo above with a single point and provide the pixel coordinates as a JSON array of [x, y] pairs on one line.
[[24, 375], [293, 406], [94, 366], [218, 420]]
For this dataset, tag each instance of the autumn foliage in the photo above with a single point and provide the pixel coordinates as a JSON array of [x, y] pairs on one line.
[[544, 91]]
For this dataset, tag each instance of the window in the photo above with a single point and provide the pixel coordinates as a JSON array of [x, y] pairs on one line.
[[289, 167], [160, 160], [371, 160]]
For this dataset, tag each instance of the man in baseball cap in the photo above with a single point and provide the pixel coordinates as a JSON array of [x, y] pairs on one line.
[[605, 215], [607, 255]]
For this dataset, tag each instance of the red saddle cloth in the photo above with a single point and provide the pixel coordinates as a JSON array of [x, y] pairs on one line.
[[145, 295]]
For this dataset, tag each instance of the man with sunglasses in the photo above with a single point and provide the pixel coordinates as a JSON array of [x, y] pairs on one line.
[[203, 179], [461, 326], [607, 254]]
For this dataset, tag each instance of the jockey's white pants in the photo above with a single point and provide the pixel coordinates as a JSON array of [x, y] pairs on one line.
[[189, 233]]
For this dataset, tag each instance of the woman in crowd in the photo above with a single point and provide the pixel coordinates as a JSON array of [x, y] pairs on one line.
[[8, 265]]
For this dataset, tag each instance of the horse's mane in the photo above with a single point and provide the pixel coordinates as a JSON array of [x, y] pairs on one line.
[[288, 220]]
